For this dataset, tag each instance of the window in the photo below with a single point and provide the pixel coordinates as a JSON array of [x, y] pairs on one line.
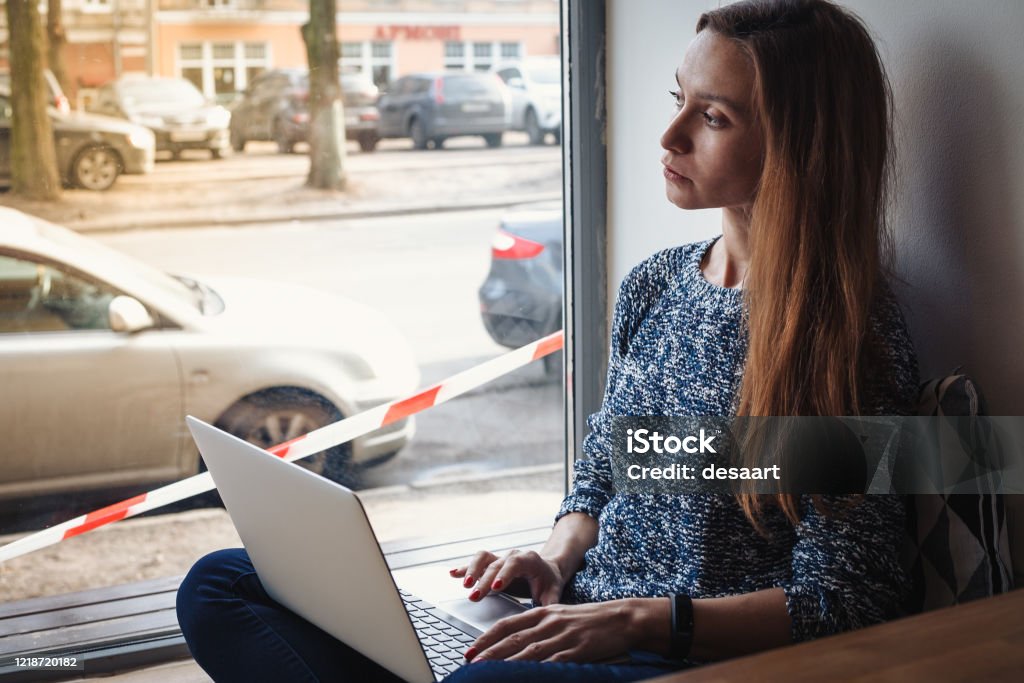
[[372, 57], [36, 297], [220, 69], [96, 6], [478, 56], [363, 310]]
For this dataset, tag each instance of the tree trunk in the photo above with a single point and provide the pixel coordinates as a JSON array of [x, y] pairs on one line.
[[326, 115], [56, 39], [33, 154]]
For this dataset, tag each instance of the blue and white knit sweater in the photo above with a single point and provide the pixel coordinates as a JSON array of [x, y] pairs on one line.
[[676, 349]]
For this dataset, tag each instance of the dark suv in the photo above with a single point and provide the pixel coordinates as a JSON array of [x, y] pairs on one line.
[[431, 107], [275, 107]]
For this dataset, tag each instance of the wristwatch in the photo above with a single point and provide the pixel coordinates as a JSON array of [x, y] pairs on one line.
[[681, 638]]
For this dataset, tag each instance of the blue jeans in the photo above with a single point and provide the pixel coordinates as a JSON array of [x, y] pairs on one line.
[[237, 632]]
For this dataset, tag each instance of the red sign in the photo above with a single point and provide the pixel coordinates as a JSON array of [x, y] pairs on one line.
[[417, 33]]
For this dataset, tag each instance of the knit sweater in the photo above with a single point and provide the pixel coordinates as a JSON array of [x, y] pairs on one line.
[[677, 349]]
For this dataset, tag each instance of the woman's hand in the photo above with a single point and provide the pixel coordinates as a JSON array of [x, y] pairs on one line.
[[487, 572], [561, 633]]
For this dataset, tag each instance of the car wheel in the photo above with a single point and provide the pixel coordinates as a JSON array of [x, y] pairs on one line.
[[553, 365], [493, 140], [237, 141], [96, 168], [284, 144], [418, 134], [269, 419], [217, 153], [438, 142], [368, 142], [533, 129]]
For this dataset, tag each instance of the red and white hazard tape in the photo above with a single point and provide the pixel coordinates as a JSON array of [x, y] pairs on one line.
[[318, 440]]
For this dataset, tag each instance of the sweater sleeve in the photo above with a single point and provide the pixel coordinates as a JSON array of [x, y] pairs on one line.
[[592, 477], [846, 571]]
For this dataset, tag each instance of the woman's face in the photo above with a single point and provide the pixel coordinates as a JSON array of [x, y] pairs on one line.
[[713, 146]]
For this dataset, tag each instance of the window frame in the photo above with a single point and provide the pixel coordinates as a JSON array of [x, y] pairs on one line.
[[585, 298], [239, 63]]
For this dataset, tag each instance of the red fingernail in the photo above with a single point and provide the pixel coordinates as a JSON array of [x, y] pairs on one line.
[[475, 595], [468, 581], [470, 653], [453, 572], [497, 585]]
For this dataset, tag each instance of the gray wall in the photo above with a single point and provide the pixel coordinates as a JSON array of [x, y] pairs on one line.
[[957, 69]]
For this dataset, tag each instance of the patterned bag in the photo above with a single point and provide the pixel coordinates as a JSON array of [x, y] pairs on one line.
[[957, 546]]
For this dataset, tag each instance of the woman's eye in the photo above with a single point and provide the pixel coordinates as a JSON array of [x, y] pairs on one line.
[[678, 97], [712, 121]]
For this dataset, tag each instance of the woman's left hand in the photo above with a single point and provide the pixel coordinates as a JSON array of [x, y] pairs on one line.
[[560, 633]]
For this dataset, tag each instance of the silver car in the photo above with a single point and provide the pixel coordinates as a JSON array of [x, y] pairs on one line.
[[102, 356], [535, 85], [173, 108]]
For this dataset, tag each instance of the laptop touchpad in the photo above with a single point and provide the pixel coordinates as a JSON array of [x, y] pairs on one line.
[[481, 614]]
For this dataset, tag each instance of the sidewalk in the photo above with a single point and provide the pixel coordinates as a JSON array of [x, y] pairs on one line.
[[260, 187], [167, 545]]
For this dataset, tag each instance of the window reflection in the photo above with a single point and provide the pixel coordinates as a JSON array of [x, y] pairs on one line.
[[276, 309]]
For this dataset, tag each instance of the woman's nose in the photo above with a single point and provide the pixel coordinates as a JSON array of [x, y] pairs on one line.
[[676, 137]]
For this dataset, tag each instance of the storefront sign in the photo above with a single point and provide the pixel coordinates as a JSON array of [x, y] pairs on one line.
[[396, 32]]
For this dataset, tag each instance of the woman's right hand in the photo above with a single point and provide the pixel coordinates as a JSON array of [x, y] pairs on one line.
[[487, 572]]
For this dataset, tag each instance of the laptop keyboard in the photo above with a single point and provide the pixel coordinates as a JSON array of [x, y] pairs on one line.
[[444, 644]]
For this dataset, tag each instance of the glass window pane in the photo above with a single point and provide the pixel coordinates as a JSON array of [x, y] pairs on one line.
[[223, 51], [510, 50], [190, 51], [223, 80], [255, 50], [193, 74], [251, 72], [36, 297], [369, 309]]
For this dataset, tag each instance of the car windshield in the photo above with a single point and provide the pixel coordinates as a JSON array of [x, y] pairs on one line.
[[159, 92], [471, 84], [186, 291], [548, 74]]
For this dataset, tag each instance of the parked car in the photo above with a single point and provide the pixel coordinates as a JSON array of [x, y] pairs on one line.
[[92, 151], [56, 97], [276, 107], [429, 108], [102, 356], [521, 298], [173, 108], [535, 85]]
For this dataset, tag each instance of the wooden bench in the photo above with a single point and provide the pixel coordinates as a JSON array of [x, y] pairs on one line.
[[134, 625]]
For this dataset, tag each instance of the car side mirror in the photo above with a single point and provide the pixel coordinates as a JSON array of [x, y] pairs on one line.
[[128, 315], [517, 82]]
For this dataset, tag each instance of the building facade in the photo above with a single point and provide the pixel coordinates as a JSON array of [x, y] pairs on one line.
[[221, 45]]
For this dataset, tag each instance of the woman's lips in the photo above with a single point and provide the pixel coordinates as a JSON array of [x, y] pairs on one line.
[[674, 177]]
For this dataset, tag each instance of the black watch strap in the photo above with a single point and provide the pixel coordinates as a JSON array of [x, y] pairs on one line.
[[681, 640]]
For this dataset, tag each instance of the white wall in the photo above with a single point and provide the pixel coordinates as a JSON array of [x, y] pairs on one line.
[[957, 69]]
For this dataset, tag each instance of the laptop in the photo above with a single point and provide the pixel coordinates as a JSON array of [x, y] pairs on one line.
[[315, 553]]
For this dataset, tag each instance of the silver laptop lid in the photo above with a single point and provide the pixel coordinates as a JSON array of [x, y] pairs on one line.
[[314, 550]]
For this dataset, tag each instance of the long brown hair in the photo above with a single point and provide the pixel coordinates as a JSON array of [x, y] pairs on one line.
[[819, 240]]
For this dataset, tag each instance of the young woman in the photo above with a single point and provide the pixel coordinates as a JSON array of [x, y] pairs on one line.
[[783, 120]]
